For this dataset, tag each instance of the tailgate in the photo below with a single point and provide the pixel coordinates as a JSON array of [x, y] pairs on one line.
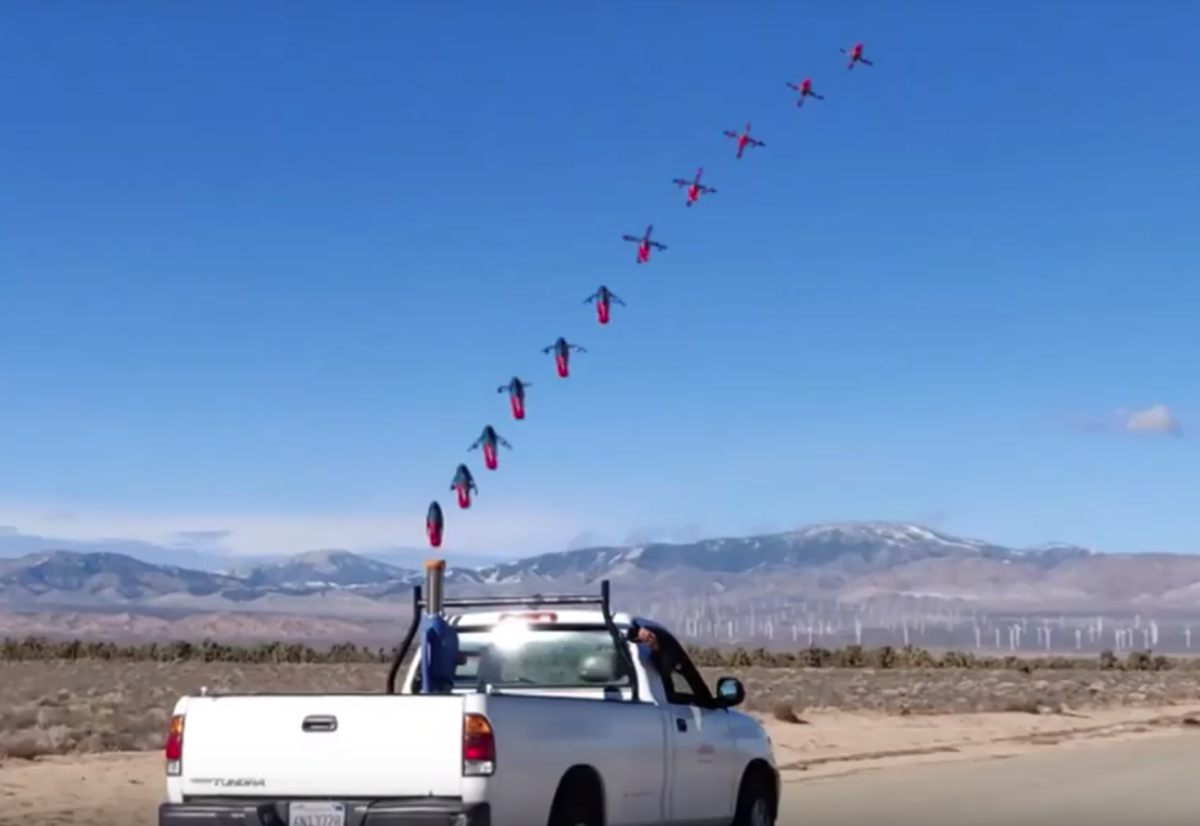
[[376, 746]]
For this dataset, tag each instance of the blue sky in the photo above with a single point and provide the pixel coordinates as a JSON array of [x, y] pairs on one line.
[[264, 265]]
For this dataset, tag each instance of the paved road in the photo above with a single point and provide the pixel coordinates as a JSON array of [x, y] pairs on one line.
[[1154, 781]]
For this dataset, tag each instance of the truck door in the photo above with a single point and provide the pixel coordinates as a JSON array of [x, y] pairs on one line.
[[702, 786]]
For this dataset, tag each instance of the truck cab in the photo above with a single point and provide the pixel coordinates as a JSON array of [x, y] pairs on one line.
[[681, 751]]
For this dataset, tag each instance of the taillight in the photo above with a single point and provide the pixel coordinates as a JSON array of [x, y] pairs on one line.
[[173, 748], [478, 746]]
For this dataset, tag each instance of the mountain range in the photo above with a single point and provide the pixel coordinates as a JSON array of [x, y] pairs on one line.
[[13, 543], [864, 564]]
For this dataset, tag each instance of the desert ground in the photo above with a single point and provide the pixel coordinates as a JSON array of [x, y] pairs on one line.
[[79, 739]]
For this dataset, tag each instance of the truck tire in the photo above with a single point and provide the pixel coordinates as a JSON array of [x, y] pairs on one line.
[[756, 801], [575, 813]]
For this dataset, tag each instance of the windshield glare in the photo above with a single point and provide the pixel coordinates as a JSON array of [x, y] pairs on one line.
[[518, 655]]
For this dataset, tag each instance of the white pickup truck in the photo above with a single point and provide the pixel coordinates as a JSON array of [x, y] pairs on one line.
[[559, 716]]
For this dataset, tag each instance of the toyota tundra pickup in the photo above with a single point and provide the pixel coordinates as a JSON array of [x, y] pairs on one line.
[[559, 713]]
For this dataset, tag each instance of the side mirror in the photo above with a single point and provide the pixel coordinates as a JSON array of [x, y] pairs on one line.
[[730, 692]]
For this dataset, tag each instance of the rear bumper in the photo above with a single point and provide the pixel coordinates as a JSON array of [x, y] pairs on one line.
[[426, 812]]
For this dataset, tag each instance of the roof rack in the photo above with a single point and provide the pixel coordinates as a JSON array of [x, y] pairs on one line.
[[534, 601], [603, 600]]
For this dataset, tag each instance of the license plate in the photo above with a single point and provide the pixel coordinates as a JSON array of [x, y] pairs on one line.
[[316, 814]]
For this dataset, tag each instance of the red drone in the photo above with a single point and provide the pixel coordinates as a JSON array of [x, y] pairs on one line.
[[743, 140], [604, 298], [856, 56], [694, 188], [806, 91], [644, 244]]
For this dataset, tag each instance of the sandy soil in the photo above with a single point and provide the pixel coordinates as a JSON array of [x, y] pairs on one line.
[[836, 742], [126, 788]]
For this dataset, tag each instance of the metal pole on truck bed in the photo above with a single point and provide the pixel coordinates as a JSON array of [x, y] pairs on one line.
[[435, 581], [405, 644]]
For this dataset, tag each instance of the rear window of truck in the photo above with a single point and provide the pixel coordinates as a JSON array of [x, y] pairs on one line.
[[517, 655]]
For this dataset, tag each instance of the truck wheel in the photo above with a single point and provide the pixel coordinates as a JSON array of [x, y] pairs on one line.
[[574, 813], [578, 801], [756, 802]]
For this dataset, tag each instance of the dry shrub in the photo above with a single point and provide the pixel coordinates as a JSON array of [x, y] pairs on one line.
[[784, 713], [54, 706], [60, 707], [22, 747], [884, 657]]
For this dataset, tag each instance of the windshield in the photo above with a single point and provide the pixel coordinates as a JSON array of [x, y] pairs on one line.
[[544, 656]]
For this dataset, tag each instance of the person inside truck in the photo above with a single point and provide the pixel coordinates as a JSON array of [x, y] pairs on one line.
[[648, 638], [664, 657], [682, 685]]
